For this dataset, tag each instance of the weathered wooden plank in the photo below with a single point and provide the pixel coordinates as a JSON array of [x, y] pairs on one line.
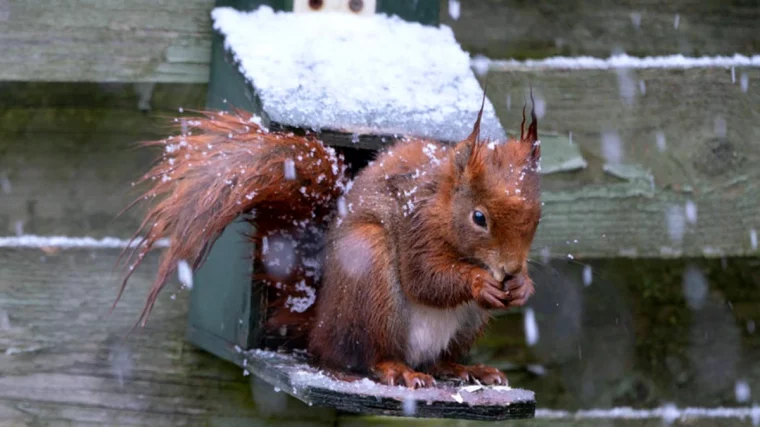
[[609, 334], [82, 40], [653, 140], [628, 338], [64, 359], [70, 184], [550, 420], [65, 160], [294, 376], [146, 97], [705, 120], [67, 154], [654, 331], [170, 40], [519, 29]]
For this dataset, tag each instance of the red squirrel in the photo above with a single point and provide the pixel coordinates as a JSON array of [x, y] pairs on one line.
[[391, 275]]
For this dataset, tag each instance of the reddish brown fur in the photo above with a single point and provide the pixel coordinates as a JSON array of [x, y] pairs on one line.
[[407, 244], [431, 255], [227, 166]]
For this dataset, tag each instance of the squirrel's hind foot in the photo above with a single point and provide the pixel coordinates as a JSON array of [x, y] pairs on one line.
[[397, 373], [470, 373]]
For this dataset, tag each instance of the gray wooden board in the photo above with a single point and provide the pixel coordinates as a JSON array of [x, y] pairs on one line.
[[63, 359], [110, 40], [559, 420], [709, 126], [75, 184], [95, 97], [58, 302], [294, 376], [630, 338], [170, 40], [68, 157], [70, 168], [520, 29], [709, 122]]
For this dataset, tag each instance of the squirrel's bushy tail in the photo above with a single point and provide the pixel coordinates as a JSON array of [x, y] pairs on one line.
[[225, 165]]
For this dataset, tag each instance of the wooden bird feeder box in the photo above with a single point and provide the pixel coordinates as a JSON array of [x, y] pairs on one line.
[[299, 65]]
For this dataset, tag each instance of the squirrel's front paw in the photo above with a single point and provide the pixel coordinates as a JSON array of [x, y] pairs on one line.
[[486, 290], [519, 289]]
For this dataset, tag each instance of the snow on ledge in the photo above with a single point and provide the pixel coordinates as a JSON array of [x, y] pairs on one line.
[[301, 375], [358, 74], [667, 413], [618, 61], [32, 241]]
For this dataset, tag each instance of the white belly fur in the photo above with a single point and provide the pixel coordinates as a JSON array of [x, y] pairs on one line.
[[431, 330]]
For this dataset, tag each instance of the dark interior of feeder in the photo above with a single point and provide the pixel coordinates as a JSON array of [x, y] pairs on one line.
[[275, 337]]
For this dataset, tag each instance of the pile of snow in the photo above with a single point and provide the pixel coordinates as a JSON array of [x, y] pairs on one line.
[[358, 74]]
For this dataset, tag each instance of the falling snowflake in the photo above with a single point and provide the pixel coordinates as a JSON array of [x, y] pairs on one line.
[[290, 169], [587, 275], [454, 9], [531, 328], [185, 274]]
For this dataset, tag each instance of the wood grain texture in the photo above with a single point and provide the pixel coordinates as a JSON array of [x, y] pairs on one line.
[[132, 96], [67, 153], [520, 29], [67, 160], [70, 364], [170, 40], [709, 127], [64, 359], [106, 41], [630, 338], [542, 422]]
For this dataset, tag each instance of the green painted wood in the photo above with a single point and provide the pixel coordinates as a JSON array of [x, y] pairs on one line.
[[226, 309], [253, 4], [228, 88], [426, 12]]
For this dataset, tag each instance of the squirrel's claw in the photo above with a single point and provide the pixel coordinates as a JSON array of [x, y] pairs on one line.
[[415, 380], [519, 288], [397, 373], [471, 373], [487, 290]]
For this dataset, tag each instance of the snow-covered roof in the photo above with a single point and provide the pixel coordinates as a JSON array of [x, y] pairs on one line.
[[358, 74]]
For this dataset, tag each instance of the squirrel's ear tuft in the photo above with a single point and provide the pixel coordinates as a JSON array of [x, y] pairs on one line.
[[475, 134], [531, 135], [462, 154], [464, 150]]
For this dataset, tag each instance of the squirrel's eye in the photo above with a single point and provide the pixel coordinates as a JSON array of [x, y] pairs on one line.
[[479, 218]]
